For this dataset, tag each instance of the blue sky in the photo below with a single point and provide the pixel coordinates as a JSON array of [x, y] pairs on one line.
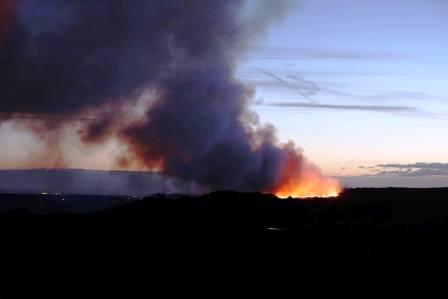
[[358, 83]]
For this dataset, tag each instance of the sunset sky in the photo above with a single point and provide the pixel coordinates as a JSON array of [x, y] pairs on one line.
[[358, 84]]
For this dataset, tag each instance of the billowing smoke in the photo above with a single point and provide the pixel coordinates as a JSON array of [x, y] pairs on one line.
[[157, 75]]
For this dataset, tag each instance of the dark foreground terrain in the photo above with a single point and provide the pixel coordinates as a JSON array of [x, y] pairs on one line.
[[361, 222], [223, 229]]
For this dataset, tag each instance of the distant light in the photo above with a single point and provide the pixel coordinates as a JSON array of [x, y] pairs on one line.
[[276, 229]]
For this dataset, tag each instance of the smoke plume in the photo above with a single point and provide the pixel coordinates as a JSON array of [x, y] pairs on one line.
[[156, 75]]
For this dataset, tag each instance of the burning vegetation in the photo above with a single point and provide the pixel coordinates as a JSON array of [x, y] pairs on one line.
[[302, 179]]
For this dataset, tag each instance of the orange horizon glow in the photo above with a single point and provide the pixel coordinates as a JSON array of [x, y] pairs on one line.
[[302, 179], [322, 188], [306, 195]]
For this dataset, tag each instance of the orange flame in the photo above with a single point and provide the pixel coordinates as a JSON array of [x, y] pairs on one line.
[[302, 179]]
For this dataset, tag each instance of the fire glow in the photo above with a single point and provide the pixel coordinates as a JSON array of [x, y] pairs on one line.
[[330, 190], [302, 179]]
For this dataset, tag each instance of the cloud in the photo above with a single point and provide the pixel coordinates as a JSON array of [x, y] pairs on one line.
[[307, 88], [413, 170], [382, 181], [302, 86], [302, 54], [371, 108], [414, 175]]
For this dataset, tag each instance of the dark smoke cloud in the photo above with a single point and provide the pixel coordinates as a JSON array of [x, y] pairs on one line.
[[66, 57]]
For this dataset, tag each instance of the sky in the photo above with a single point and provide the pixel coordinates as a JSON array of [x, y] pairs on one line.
[[360, 86]]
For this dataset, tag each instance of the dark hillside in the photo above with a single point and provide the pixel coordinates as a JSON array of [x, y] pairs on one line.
[[360, 223]]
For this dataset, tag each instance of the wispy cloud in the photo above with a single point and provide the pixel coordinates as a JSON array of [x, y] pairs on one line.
[[375, 108], [413, 170], [302, 86], [302, 54], [307, 89]]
